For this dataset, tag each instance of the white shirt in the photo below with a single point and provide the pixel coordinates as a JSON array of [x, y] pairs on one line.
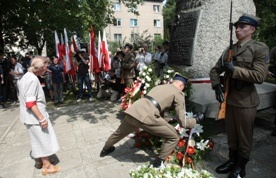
[[143, 60], [18, 69]]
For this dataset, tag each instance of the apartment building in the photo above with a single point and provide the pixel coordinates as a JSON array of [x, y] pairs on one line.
[[127, 24]]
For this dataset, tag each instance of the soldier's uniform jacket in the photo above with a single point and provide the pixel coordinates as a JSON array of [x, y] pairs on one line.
[[251, 67], [128, 66], [167, 96]]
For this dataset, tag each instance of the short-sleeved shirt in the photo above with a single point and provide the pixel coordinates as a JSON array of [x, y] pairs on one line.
[[83, 69]]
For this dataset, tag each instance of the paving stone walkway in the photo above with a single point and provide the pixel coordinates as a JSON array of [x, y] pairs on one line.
[[83, 128]]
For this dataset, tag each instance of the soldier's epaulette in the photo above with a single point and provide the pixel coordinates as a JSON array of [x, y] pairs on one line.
[[260, 43]]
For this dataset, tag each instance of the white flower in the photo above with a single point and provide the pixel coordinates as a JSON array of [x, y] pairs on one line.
[[169, 71], [145, 67], [148, 78], [145, 92], [157, 82], [150, 70], [147, 85], [143, 81], [143, 74], [202, 145], [198, 129], [191, 142], [182, 131], [167, 76]]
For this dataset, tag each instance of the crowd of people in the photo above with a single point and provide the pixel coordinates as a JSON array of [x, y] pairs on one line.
[[125, 66]]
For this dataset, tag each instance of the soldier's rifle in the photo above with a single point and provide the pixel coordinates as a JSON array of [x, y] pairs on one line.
[[222, 109]]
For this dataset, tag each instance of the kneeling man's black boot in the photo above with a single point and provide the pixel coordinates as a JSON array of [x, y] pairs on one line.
[[157, 163], [226, 167], [106, 151], [239, 169]]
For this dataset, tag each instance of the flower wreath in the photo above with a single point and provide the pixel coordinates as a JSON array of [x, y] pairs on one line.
[[146, 80]]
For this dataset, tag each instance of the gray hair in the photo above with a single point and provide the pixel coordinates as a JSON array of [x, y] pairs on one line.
[[37, 63]]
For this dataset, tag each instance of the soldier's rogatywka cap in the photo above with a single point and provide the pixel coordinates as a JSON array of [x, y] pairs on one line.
[[248, 19], [181, 78]]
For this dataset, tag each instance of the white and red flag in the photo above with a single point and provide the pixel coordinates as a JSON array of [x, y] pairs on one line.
[[94, 62], [67, 52], [61, 48], [105, 54], [57, 44], [99, 50], [75, 44]]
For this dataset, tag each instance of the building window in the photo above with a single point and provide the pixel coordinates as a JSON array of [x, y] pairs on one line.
[[116, 6], [118, 22], [156, 8], [156, 23], [117, 37], [133, 22]]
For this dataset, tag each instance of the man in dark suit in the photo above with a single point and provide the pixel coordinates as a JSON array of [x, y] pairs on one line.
[[249, 65], [148, 113]]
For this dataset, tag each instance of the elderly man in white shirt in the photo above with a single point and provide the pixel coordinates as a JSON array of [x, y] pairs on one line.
[[16, 72]]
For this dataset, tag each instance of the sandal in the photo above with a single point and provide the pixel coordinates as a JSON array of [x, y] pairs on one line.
[[46, 171], [39, 164]]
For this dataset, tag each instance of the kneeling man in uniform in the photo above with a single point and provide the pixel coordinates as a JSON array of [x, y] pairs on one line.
[[148, 114]]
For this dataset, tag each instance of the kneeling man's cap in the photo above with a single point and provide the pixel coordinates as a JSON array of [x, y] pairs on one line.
[[248, 19], [181, 78]]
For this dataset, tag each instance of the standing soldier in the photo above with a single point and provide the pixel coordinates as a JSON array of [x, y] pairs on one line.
[[248, 66]]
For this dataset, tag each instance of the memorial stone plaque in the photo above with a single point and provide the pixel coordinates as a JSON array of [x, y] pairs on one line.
[[182, 38]]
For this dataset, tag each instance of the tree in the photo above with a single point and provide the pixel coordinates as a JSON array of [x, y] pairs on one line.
[[168, 14], [33, 22], [267, 31]]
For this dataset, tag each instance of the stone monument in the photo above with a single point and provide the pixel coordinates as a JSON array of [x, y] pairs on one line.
[[200, 33]]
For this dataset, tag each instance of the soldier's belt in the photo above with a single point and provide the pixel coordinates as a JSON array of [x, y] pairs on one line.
[[154, 102]]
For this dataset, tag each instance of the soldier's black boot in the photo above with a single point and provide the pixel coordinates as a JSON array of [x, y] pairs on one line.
[[239, 169], [230, 164], [157, 163], [104, 151]]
